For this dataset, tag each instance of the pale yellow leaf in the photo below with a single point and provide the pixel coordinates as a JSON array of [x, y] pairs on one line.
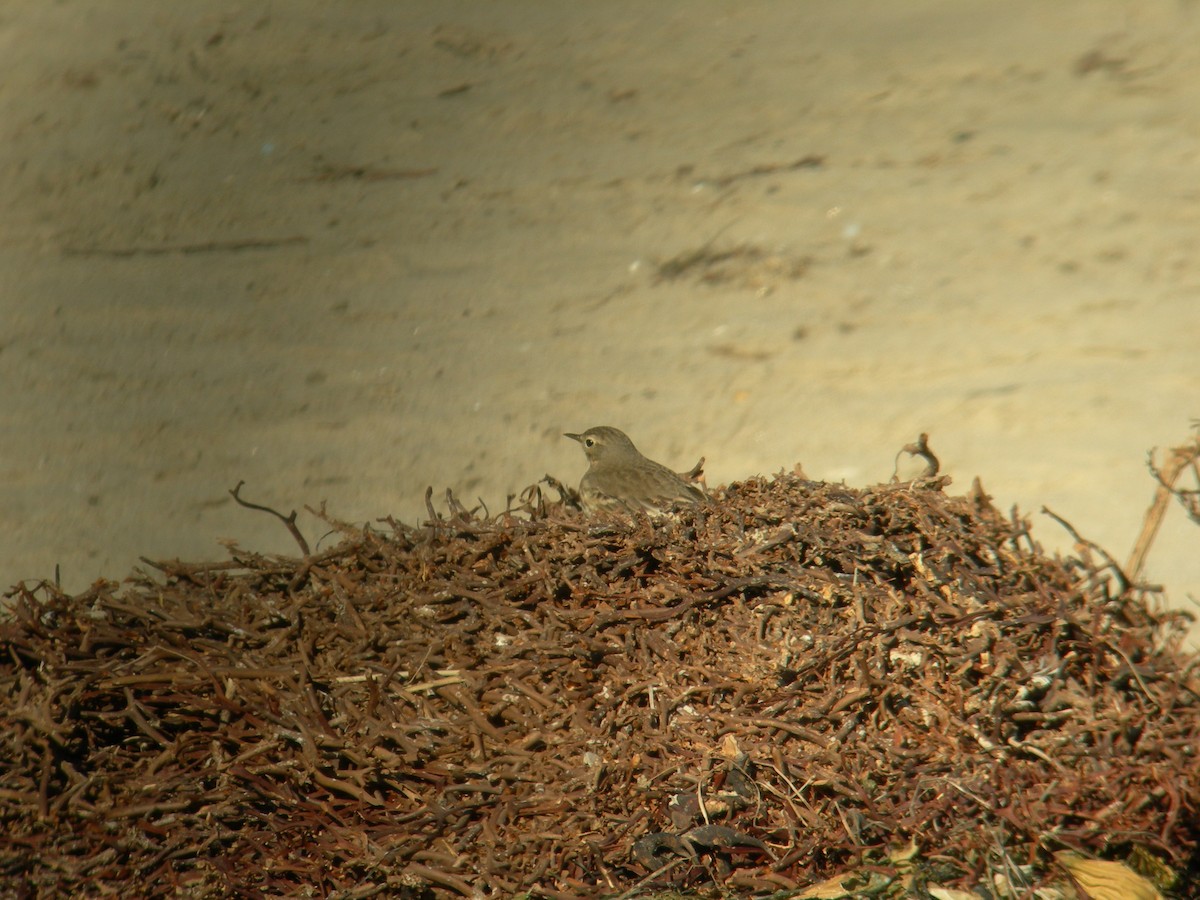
[[905, 854], [1102, 880], [730, 748], [830, 888], [940, 893]]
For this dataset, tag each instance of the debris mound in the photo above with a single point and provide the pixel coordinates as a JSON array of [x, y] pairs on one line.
[[772, 688]]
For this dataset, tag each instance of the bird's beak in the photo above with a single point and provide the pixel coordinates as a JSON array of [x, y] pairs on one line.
[[574, 437]]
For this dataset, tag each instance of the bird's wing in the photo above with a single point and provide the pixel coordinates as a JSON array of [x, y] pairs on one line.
[[659, 486]]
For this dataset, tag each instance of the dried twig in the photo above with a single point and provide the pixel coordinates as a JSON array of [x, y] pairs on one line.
[[289, 521], [1179, 459], [1123, 582], [921, 449]]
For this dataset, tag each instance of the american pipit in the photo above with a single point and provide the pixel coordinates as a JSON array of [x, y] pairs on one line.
[[619, 477]]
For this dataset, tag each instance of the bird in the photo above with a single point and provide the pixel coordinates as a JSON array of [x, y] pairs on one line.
[[620, 478]]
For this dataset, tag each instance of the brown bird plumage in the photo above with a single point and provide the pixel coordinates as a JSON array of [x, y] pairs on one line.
[[619, 477]]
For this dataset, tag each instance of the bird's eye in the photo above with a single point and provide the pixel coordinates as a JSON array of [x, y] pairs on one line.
[[589, 442]]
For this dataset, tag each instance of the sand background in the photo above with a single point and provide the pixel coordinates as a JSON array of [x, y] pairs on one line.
[[346, 251]]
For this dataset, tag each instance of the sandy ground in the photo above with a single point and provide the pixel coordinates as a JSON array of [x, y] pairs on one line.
[[346, 251]]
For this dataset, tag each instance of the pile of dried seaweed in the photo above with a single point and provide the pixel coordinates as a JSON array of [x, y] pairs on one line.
[[769, 689]]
